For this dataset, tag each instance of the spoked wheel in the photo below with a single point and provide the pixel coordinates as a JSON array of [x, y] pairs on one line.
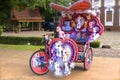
[[39, 62], [88, 59]]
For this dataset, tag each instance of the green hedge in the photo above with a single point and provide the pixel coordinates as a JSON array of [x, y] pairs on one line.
[[95, 44], [32, 41], [21, 40]]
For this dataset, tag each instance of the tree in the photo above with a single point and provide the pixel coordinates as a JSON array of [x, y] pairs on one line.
[[5, 9], [47, 12]]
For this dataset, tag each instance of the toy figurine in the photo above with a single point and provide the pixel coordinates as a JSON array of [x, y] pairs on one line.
[[93, 30], [51, 64], [47, 39], [73, 35], [82, 39], [65, 55], [67, 70], [58, 71], [61, 34], [72, 22], [80, 22], [66, 26], [36, 60], [58, 48]]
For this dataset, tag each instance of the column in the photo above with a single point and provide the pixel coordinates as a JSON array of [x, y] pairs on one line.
[[116, 14], [102, 9]]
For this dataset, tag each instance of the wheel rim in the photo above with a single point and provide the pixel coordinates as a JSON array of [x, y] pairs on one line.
[[39, 65], [88, 59]]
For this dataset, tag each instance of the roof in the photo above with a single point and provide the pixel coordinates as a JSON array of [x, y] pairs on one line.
[[27, 15]]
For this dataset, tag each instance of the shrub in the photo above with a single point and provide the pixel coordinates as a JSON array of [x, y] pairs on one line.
[[1, 30], [32, 41], [21, 40], [95, 44]]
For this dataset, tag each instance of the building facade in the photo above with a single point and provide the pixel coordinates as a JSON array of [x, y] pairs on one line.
[[110, 13]]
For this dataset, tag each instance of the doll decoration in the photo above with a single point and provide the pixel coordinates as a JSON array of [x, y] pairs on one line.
[[94, 29], [36, 60], [73, 35], [47, 39], [82, 39], [59, 64], [66, 26], [39, 60], [51, 64], [72, 22], [61, 34], [80, 22], [57, 71]]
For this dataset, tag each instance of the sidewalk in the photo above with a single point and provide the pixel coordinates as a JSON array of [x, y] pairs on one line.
[[27, 33], [110, 38]]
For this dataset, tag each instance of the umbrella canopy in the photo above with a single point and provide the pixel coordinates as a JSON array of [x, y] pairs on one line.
[[79, 5]]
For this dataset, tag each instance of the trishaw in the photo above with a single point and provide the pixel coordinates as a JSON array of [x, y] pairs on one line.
[[77, 28]]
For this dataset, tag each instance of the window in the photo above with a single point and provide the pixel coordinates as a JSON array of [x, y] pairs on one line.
[[119, 2], [109, 3], [96, 3], [119, 16], [109, 16]]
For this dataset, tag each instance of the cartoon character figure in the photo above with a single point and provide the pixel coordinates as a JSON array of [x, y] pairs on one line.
[[36, 60], [66, 26], [65, 55], [58, 71], [93, 30], [56, 62], [67, 66], [73, 35], [67, 70], [61, 34], [68, 35], [80, 22], [82, 39], [47, 39], [39, 61], [51, 64], [95, 35], [58, 48], [72, 64], [59, 54]]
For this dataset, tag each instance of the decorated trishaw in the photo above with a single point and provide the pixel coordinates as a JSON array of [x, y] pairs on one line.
[[77, 28]]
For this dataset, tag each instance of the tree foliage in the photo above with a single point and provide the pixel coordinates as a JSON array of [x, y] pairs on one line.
[[6, 7], [46, 11]]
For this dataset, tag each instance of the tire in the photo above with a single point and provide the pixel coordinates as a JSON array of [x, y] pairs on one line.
[[88, 59], [42, 68]]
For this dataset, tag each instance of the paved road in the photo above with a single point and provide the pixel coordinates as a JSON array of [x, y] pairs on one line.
[[14, 65]]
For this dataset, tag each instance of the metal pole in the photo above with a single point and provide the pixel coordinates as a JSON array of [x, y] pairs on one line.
[[56, 34]]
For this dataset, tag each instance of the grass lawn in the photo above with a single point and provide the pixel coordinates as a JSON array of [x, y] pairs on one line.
[[20, 47]]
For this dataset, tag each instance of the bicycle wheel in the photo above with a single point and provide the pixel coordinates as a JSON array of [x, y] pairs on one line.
[[88, 59], [39, 62]]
